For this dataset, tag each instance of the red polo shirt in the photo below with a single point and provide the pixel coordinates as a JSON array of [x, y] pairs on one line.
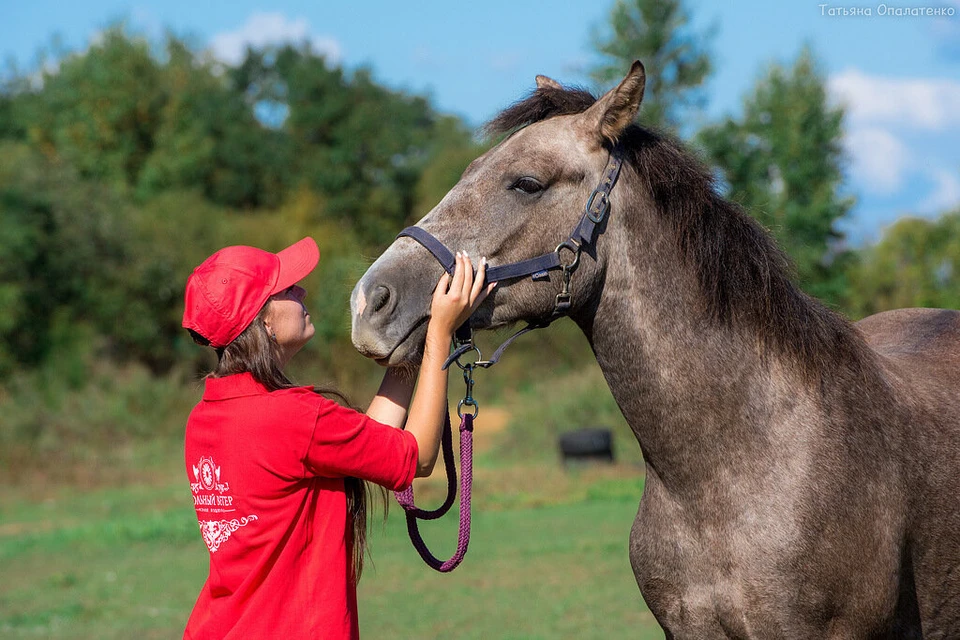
[[266, 471]]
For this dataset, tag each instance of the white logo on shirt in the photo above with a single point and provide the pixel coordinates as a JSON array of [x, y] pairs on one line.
[[216, 532], [211, 495]]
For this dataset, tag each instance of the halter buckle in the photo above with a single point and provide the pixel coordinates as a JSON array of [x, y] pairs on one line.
[[603, 207]]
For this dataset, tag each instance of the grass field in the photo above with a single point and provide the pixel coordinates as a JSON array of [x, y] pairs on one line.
[[98, 538], [548, 559]]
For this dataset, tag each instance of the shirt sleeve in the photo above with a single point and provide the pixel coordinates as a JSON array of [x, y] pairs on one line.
[[349, 443]]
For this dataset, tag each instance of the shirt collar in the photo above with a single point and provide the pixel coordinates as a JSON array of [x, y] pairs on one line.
[[235, 386]]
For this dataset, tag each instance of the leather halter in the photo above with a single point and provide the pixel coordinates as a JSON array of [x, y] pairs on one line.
[[585, 233]]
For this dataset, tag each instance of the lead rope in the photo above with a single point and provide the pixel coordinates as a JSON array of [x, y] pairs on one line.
[[405, 497]]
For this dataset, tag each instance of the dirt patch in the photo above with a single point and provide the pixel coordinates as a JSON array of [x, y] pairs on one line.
[[490, 422]]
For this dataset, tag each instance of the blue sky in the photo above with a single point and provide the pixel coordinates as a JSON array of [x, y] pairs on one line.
[[898, 75]]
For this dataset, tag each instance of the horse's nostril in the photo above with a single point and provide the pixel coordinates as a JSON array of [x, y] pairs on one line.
[[379, 298]]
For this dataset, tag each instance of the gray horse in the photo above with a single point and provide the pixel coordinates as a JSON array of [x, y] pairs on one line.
[[802, 472]]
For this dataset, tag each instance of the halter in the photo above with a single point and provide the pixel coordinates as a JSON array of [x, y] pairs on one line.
[[585, 233]]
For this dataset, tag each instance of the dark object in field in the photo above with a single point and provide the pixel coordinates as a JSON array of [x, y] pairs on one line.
[[590, 444]]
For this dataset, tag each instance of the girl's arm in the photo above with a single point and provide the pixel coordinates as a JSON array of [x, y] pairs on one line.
[[390, 404], [453, 301]]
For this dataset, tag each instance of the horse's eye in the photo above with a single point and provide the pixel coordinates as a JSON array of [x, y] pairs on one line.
[[527, 185]]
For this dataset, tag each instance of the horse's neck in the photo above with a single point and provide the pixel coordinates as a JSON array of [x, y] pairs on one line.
[[697, 395]]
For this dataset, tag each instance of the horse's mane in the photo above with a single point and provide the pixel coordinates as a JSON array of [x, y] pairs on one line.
[[745, 278]]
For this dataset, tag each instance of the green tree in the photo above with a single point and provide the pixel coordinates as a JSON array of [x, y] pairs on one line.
[[676, 58], [916, 263], [61, 238], [123, 169], [99, 110], [360, 145], [782, 160], [450, 152], [209, 138]]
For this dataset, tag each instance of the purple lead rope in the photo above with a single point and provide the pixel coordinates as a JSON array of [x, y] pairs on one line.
[[413, 513]]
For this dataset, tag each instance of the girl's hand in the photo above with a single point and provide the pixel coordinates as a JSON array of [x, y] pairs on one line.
[[455, 298]]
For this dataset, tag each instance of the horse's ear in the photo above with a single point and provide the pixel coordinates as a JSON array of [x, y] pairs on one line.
[[543, 82], [613, 112]]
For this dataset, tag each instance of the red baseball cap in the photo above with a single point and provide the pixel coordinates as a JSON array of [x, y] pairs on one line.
[[226, 292]]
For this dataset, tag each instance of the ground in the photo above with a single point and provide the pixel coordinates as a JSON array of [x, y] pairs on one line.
[[123, 558]]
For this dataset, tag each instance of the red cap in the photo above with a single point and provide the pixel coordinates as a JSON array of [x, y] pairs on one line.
[[226, 292]]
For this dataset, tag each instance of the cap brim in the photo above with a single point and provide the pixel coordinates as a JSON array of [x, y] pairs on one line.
[[296, 263]]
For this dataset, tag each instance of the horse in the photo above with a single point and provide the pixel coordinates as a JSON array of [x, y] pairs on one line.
[[802, 471]]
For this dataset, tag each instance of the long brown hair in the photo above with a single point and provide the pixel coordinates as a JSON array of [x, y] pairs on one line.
[[254, 352]]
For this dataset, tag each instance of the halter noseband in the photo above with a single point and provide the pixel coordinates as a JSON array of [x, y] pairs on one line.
[[585, 233]]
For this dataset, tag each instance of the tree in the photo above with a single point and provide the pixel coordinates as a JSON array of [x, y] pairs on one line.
[[451, 151], [782, 160], [61, 239], [209, 138], [99, 110], [122, 169], [358, 144], [676, 59], [915, 264]]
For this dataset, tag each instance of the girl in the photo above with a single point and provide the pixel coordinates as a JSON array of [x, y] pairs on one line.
[[277, 470]]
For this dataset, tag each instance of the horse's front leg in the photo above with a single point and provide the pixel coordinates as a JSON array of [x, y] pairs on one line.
[[662, 559]]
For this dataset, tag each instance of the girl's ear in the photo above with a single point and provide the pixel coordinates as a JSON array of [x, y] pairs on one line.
[[264, 317]]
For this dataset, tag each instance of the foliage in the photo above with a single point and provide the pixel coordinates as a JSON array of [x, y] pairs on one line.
[[98, 111], [782, 160], [547, 408], [915, 264], [677, 59], [90, 424], [452, 151], [61, 242], [208, 138], [129, 163], [359, 144]]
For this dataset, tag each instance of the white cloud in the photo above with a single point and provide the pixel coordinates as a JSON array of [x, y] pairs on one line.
[[946, 194], [264, 29], [932, 104], [880, 159]]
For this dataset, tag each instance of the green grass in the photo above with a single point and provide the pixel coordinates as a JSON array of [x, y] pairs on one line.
[[98, 538], [128, 562]]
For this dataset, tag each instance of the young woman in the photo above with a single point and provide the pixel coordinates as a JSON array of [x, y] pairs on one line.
[[277, 470]]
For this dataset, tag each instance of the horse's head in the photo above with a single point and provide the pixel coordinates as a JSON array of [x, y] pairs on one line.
[[519, 200]]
